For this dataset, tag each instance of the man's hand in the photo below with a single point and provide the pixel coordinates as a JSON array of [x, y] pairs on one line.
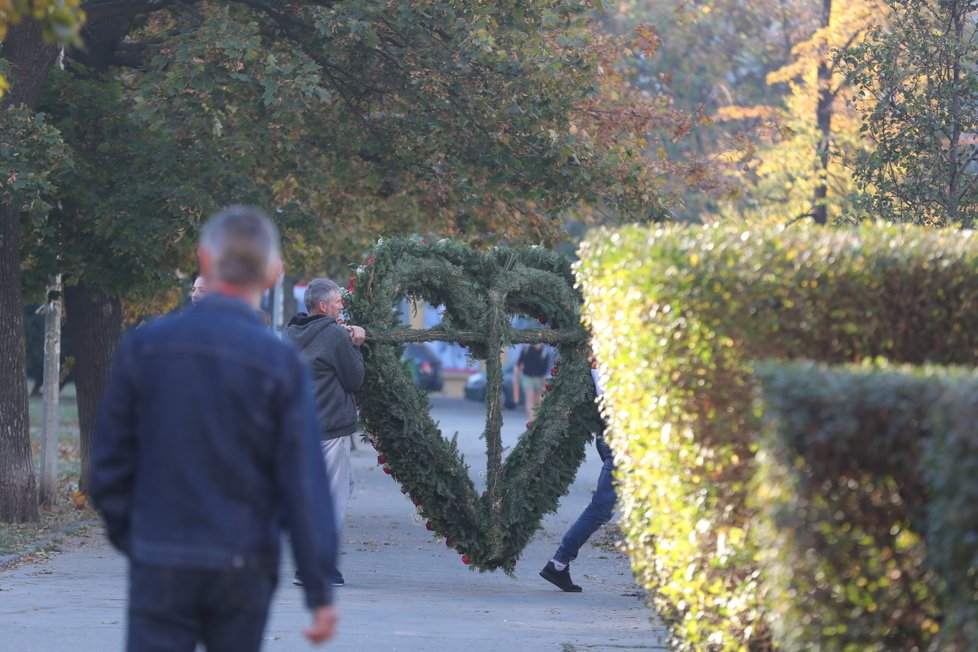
[[357, 335], [323, 625]]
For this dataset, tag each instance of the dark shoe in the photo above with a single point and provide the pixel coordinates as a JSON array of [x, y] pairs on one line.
[[297, 581], [560, 579]]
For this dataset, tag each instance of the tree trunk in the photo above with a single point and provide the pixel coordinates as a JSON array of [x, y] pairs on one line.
[[18, 484], [956, 117], [50, 430], [30, 60], [95, 324], [823, 123]]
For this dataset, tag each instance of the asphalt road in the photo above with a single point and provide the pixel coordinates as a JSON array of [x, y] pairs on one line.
[[405, 590]]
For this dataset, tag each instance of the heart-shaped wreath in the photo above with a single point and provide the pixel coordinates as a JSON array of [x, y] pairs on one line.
[[481, 292]]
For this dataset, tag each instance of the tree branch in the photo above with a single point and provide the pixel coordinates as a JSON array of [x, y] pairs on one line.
[[520, 336], [97, 11]]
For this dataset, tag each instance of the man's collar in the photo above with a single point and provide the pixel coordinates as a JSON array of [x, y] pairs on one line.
[[228, 302]]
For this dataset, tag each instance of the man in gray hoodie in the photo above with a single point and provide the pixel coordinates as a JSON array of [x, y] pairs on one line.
[[332, 351]]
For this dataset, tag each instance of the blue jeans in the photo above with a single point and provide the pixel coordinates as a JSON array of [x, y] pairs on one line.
[[596, 514], [172, 609]]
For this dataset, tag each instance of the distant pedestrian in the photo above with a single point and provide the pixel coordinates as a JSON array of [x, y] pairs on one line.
[[205, 446], [531, 369], [333, 352], [597, 513]]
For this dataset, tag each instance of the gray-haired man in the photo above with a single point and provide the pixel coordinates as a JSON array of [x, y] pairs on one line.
[[331, 349], [205, 446]]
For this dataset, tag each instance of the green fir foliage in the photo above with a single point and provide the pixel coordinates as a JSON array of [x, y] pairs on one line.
[[480, 293], [679, 314]]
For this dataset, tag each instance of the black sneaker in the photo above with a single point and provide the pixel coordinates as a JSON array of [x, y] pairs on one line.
[[297, 581], [560, 579]]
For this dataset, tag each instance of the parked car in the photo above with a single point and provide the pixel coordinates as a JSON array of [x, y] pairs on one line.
[[425, 367], [475, 388]]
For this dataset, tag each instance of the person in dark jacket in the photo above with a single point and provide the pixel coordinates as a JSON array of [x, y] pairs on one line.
[[332, 351], [205, 447]]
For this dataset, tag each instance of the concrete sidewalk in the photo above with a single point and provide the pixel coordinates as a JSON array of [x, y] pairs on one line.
[[405, 590]]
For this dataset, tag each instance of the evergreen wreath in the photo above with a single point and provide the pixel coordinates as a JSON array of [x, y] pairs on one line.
[[480, 292]]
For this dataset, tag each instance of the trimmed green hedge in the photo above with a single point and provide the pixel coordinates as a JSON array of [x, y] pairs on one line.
[[678, 314], [952, 524], [867, 490], [841, 493]]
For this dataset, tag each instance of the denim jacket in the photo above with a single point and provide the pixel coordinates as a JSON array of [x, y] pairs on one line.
[[206, 446]]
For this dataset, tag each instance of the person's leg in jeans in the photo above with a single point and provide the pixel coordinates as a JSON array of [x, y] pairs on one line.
[[236, 611], [598, 512], [163, 609], [336, 453]]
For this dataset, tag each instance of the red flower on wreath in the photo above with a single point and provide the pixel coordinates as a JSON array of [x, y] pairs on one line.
[[428, 526], [548, 386], [465, 559], [381, 459]]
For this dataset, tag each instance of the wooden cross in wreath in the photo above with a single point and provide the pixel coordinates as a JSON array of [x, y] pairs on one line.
[[481, 292]]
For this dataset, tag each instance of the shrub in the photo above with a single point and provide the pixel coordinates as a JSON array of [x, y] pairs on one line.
[[842, 499], [678, 315], [952, 524]]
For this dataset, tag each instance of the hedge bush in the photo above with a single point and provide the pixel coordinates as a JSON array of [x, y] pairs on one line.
[[952, 524], [678, 314], [867, 491], [842, 497]]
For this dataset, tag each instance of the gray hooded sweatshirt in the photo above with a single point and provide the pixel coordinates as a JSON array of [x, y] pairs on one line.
[[337, 370]]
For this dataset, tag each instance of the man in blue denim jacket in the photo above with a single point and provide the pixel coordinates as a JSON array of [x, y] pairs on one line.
[[206, 446]]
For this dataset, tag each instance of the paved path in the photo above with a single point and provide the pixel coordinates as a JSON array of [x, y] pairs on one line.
[[405, 590]]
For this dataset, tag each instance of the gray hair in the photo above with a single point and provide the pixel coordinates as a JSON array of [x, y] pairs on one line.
[[243, 245], [318, 290]]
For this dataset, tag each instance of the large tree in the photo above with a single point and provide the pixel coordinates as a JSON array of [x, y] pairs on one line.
[[716, 58], [793, 167], [59, 21], [918, 90], [29, 153], [484, 121]]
